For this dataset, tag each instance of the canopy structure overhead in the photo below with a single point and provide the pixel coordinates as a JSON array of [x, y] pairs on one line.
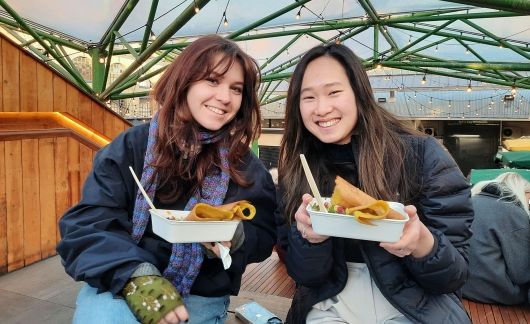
[[478, 41]]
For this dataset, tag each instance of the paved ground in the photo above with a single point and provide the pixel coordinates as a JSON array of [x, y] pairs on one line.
[[43, 293]]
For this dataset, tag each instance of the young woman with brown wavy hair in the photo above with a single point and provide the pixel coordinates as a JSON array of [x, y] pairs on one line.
[[195, 149], [333, 119]]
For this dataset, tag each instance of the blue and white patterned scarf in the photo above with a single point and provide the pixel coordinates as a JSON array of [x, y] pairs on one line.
[[186, 258]]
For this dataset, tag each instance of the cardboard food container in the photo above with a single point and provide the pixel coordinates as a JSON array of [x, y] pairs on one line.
[[341, 225], [177, 230]]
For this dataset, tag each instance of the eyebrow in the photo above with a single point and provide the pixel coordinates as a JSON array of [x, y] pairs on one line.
[[327, 85]]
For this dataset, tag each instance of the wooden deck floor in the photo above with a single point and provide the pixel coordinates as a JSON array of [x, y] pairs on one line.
[[270, 277], [43, 293]]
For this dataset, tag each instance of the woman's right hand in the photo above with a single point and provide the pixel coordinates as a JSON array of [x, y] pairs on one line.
[[177, 315], [303, 222]]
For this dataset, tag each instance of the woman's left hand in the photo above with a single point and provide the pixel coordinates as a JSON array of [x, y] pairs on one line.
[[416, 239], [215, 249]]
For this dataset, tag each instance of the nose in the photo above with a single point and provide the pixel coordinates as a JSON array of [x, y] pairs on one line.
[[223, 94], [323, 107]]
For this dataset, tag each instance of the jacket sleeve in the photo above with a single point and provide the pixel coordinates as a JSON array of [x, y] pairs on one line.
[[96, 245], [445, 208]]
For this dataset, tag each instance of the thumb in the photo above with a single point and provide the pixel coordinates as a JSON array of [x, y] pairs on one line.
[[306, 199]]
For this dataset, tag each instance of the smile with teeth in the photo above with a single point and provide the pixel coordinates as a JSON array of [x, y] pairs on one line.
[[215, 110], [328, 123]]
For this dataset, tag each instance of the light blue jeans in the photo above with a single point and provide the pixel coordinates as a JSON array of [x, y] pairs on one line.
[[105, 309]]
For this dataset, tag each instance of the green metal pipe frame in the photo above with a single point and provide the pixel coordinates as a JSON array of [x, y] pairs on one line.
[[521, 6], [143, 51], [166, 34], [266, 19], [62, 62], [149, 25], [43, 35], [125, 11]]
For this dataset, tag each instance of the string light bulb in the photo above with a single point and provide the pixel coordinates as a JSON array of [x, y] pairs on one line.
[[225, 21], [196, 7], [514, 90], [424, 79], [299, 13], [469, 86]]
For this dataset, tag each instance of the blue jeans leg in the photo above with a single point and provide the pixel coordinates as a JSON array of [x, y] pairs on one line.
[[101, 308], [105, 309], [207, 310]]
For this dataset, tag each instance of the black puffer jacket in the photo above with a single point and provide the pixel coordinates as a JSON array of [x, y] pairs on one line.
[[424, 290]]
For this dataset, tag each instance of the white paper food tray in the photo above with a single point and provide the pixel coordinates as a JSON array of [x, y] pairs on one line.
[[180, 231], [340, 225]]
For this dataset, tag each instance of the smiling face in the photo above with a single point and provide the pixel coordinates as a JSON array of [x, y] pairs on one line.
[[327, 101], [215, 101]]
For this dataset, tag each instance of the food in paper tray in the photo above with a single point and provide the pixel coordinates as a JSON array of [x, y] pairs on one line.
[[351, 213], [239, 210], [350, 200], [204, 223]]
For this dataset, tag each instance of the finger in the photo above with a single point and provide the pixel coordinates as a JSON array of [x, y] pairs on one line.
[[171, 317], [306, 199], [228, 244], [162, 321], [182, 313], [411, 210], [301, 215]]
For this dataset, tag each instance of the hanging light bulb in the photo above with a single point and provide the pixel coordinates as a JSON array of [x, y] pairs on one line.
[[430, 100], [468, 103], [409, 39], [196, 7], [225, 21], [492, 102], [436, 49], [449, 104], [424, 79], [299, 13], [469, 87], [101, 59], [514, 90]]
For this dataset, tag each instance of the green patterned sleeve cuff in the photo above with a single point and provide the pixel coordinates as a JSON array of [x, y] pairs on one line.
[[150, 298]]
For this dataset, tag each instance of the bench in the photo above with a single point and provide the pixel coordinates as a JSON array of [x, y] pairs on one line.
[[268, 284]]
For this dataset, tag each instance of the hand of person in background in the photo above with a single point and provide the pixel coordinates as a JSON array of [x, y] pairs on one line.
[[303, 222], [416, 239]]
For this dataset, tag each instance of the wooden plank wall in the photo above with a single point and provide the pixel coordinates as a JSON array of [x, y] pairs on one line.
[[41, 177]]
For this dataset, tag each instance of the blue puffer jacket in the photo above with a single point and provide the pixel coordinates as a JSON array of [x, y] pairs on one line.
[[424, 290]]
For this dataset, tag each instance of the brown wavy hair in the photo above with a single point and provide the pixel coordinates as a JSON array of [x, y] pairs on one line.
[[381, 169], [178, 133]]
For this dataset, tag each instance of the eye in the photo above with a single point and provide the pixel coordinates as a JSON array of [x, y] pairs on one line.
[[308, 98], [333, 92], [237, 90], [212, 81]]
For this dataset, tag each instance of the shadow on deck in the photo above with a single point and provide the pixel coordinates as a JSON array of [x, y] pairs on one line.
[[43, 293]]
